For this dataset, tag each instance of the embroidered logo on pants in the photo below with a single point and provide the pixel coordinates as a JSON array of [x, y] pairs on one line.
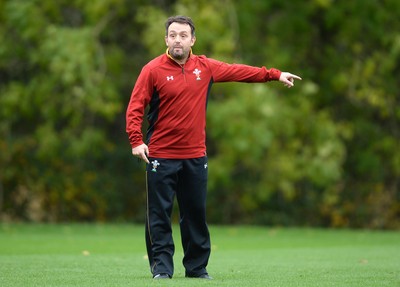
[[155, 164]]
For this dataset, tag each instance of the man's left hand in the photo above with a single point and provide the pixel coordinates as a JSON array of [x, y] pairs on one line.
[[288, 79]]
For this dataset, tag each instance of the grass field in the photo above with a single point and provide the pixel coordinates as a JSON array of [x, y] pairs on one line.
[[114, 255]]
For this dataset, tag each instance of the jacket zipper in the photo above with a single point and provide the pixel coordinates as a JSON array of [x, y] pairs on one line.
[[183, 72]]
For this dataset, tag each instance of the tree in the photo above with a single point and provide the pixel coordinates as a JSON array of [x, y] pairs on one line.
[[324, 153], [56, 97]]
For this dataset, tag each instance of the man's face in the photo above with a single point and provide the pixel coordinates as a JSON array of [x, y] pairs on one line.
[[179, 41]]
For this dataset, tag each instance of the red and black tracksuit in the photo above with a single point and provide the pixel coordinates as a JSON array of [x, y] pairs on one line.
[[177, 98]]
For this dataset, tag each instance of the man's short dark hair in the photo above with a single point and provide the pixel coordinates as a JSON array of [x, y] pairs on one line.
[[181, 20]]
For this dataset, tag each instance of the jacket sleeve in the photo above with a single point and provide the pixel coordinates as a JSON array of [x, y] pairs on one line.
[[223, 72], [140, 98]]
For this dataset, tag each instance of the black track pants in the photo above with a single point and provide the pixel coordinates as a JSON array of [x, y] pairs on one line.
[[187, 179]]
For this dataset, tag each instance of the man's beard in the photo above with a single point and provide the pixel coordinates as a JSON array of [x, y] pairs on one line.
[[178, 56]]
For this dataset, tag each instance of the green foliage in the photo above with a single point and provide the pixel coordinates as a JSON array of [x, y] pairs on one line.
[[325, 153], [55, 101], [266, 149]]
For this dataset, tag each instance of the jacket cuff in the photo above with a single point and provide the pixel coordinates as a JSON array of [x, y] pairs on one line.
[[274, 74]]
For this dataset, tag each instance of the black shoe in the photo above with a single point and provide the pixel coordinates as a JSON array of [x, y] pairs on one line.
[[162, 276], [202, 276]]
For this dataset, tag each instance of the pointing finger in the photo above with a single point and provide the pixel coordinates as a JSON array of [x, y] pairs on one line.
[[296, 77]]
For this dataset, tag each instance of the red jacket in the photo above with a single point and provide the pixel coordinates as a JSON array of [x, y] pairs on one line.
[[177, 96]]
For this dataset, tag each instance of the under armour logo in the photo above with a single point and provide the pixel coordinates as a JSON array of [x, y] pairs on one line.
[[205, 166], [170, 78], [197, 73]]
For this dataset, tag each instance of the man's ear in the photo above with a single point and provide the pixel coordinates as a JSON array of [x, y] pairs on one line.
[[193, 41]]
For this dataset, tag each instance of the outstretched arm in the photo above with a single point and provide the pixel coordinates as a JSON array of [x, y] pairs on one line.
[[288, 79]]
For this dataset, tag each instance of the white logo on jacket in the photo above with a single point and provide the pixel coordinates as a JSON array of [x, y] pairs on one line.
[[197, 73], [170, 78]]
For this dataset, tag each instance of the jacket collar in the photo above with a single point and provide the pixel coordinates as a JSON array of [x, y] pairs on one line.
[[169, 56]]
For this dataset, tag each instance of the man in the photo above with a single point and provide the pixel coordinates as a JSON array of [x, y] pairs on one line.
[[176, 86]]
